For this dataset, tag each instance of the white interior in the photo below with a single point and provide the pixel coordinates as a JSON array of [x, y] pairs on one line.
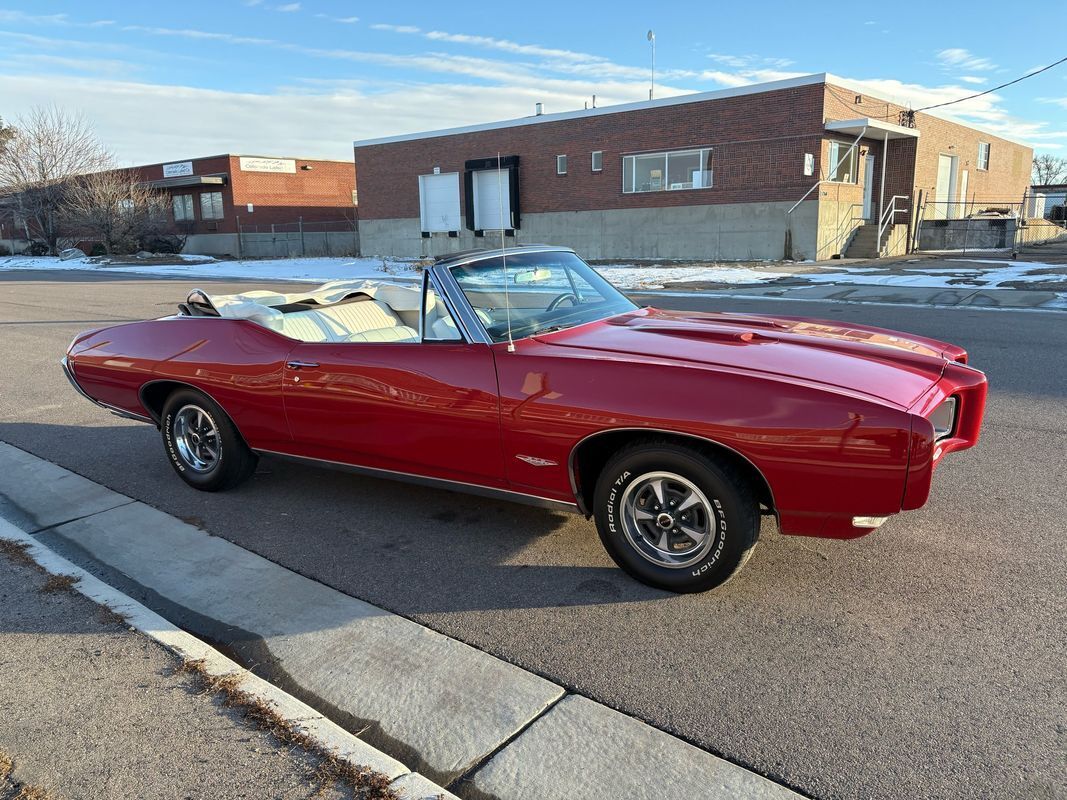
[[351, 311]]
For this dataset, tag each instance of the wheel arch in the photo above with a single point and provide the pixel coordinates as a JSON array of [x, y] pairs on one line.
[[589, 456], [153, 396]]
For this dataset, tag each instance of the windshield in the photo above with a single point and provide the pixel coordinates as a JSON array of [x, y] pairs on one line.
[[545, 291]]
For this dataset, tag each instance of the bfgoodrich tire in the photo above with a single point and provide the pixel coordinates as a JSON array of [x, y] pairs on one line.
[[675, 518], [202, 443]]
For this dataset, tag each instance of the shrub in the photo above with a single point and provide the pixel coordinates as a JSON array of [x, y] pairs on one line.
[[98, 249], [37, 249], [162, 243], [4, 250]]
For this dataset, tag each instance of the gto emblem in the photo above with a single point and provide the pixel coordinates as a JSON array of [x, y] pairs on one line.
[[538, 462]]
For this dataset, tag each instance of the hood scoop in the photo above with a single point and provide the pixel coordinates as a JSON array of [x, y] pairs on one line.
[[705, 333]]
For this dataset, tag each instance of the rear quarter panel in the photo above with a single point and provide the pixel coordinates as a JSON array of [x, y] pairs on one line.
[[237, 363]]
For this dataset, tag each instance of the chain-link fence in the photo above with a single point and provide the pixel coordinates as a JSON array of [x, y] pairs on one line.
[[987, 224], [300, 238]]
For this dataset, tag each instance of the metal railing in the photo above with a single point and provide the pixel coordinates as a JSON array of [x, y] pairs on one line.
[[889, 216]]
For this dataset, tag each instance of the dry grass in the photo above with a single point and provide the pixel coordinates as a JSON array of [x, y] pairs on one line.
[[10, 789], [365, 783], [16, 551], [59, 583]]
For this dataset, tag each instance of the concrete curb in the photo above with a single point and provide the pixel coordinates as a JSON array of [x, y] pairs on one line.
[[304, 719]]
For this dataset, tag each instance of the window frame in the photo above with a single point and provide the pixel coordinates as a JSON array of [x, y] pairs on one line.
[[629, 165], [187, 199], [221, 209], [561, 161], [988, 150], [832, 162], [593, 159]]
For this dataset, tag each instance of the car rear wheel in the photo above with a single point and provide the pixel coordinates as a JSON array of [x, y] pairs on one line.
[[675, 518], [202, 443]]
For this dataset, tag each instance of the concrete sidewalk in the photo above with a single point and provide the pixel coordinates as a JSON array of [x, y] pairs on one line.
[[90, 709], [478, 725]]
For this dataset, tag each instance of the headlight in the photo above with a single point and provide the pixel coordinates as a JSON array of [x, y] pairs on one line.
[[944, 419]]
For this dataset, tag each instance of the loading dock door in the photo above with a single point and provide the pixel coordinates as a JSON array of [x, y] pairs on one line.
[[439, 202], [492, 194]]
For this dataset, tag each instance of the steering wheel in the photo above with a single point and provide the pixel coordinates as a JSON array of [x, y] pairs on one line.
[[565, 296]]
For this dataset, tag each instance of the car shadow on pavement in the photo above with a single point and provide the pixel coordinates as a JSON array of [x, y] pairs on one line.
[[407, 548]]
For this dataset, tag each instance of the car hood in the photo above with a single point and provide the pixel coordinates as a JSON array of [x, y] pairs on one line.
[[888, 365]]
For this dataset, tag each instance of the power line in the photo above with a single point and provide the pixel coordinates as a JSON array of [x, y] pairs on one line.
[[995, 88]]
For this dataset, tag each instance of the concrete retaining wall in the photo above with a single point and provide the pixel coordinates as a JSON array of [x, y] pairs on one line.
[[736, 231]]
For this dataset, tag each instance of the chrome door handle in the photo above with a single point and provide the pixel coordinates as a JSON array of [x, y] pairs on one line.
[[300, 364]]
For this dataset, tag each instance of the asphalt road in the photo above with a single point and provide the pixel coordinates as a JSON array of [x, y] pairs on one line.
[[926, 660]]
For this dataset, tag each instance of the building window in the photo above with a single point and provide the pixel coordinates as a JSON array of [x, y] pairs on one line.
[[439, 202], [658, 172], [211, 205], [183, 208], [561, 165], [983, 155], [598, 160], [843, 161]]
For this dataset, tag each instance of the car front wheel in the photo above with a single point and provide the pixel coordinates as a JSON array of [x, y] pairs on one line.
[[202, 443], [675, 518]]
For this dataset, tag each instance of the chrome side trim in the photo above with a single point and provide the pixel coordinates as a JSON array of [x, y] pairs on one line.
[[437, 483], [118, 412], [574, 450]]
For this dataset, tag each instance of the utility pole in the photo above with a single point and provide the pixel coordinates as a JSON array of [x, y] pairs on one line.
[[651, 36]]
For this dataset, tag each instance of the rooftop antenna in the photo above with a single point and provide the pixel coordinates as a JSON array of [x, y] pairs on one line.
[[503, 250], [651, 36]]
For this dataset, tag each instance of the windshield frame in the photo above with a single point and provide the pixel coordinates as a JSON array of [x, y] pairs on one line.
[[473, 321]]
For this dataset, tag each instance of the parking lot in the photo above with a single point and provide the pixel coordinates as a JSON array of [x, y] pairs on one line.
[[925, 660]]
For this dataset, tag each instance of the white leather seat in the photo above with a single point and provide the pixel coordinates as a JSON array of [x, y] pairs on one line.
[[396, 333], [363, 315]]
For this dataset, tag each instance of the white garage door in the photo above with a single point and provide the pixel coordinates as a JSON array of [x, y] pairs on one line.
[[492, 196], [439, 201]]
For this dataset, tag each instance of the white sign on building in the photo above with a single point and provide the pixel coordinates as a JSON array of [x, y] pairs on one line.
[[252, 164], [178, 169]]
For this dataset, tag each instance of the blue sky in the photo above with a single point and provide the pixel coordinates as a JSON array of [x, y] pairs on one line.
[[166, 80]]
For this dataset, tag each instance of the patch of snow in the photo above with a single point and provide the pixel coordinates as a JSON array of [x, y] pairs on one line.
[[630, 276], [303, 270]]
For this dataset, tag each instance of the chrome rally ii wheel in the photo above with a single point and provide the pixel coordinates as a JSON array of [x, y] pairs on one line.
[[667, 519], [196, 439]]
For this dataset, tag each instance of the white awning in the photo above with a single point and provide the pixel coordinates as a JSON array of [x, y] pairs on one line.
[[876, 128]]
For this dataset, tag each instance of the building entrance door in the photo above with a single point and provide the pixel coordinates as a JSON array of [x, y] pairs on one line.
[[945, 189], [868, 188]]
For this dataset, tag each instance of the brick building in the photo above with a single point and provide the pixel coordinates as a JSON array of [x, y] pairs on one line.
[[212, 196], [791, 168]]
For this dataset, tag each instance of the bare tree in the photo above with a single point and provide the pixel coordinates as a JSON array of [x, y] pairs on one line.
[[116, 208], [1048, 169], [48, 147]]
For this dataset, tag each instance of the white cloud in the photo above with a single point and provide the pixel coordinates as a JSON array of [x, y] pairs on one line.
[[288, 8], [63, 20], [383, 26], [749, 61], [973, 79], [342, 20], [959, 58]]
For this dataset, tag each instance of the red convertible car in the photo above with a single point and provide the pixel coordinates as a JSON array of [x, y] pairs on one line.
[[523, 374]]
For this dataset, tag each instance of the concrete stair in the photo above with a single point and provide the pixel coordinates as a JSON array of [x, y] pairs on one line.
[[864, 242]]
